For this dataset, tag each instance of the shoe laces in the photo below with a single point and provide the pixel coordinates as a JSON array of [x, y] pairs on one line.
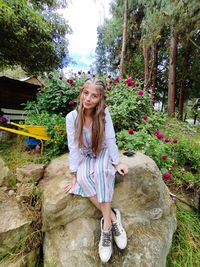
[[116, 229], [106, 238]]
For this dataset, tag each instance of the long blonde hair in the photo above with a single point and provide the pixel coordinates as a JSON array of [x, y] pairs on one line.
[[98, 124]]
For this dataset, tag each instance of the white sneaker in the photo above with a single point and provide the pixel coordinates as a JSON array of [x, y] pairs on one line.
[[105, 244], [118, 231]]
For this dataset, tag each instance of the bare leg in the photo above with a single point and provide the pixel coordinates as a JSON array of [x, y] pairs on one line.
[[98, 206], [106, 210]]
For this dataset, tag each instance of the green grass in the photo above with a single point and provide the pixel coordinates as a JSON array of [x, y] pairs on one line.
[[185, 250], [14, 154]]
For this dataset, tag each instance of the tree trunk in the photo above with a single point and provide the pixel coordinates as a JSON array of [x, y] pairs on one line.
[[154, 73], [182, 83], [146, 54], [122, 67], [172, 73]]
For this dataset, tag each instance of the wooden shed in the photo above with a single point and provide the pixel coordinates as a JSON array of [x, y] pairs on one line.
[[13, 93]]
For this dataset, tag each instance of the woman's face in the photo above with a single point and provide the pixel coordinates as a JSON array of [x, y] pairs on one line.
[[90, 97]]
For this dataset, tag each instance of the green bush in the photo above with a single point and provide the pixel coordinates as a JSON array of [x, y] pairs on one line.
[[58, 96], [127, 108], [171, 147], [56, 130]]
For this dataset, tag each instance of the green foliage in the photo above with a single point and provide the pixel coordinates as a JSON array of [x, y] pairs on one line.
[[56, 130], [181, 153], [186, 240], [32, 38], [56, 96], [127, 108]]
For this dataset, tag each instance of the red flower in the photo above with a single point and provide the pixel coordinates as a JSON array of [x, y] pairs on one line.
[[71, 82], [137, 84], [175, 141], [108, 87], [166, 140], [129, 81], [130, 131], [156, 132], [164, 157], [71, 103], [167, 176], [117, 79], [160, 136], [140, 93], [145, 117], [111, 81]]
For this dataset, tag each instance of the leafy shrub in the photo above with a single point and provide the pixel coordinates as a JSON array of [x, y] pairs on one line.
[[172, 148], [127, 106], [58, 96], [56, 130]]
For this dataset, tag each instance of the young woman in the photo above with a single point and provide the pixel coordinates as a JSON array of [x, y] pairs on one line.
[[94, 160]]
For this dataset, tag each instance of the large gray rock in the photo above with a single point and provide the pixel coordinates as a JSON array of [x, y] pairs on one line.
[[15, 226], [4, 173], [30, 173], [71, 224]]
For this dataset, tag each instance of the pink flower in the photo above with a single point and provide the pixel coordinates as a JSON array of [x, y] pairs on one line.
[[71, 103], [166, 140], [108, 87], [117, 79], [145, 117], [156, 132], [160, 136], [163, 157], [175, 141], [130, 131], [129, 81], [140, 93], [167, 176]]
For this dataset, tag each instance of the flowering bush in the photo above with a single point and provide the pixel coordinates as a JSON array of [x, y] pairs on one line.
[[58, 96], [128, 105], [177, 155]]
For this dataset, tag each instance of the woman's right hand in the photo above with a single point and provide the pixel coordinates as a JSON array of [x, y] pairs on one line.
[[69, 186]]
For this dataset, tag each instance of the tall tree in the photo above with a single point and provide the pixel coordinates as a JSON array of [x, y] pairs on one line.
[[172, 73], [100, 53], [33, 35], [124, 40]]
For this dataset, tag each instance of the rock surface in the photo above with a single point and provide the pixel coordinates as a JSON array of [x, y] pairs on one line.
[[15, 228], [4, 173], [30, 173], [71, 224]]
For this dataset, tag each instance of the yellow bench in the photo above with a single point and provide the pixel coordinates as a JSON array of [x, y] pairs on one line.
[[37, 132]]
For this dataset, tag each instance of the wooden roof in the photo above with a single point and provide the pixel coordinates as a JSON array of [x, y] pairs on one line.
[[14, 92]]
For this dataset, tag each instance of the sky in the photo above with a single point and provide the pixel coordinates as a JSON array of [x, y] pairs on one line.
[[84, 16]]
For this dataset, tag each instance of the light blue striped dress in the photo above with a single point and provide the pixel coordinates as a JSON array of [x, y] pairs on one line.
[[95, 175]]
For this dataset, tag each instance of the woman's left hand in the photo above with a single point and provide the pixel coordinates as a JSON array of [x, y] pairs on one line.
[[122, 169]]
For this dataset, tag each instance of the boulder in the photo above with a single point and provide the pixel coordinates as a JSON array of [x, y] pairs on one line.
[[71, 223], [15, 226], [30, 173], [4, 173]]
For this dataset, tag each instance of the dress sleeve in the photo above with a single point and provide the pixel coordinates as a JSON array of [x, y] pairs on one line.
[[74, 151], [110, 139]]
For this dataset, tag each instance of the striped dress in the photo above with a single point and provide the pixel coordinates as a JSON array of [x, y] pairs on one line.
[[95, 175]]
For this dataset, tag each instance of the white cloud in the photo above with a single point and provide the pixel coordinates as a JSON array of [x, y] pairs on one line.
[[84, 16]]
